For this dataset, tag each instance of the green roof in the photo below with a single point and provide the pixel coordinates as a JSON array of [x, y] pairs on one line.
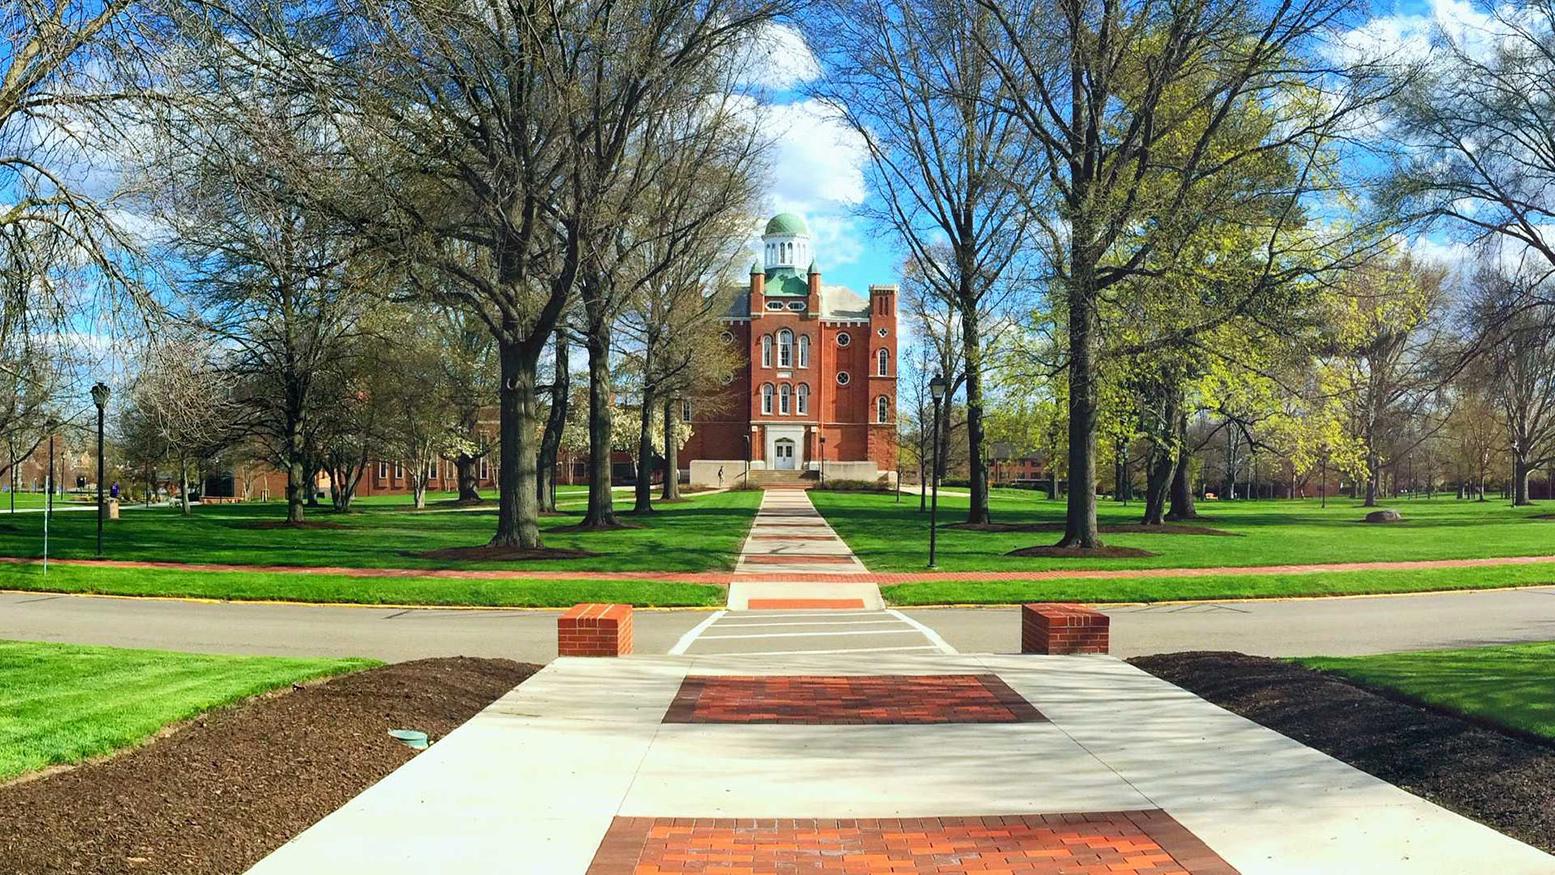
[[786, 281], [787, 223]]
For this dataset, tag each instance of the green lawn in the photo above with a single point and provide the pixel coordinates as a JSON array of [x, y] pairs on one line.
[[702, 533], [26, 500], [889, 536], [276, 586], [1511, 685], [1226, 586], [63, 703]]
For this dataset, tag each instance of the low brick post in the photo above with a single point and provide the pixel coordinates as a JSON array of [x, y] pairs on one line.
[[1058, 628], [595, 630]]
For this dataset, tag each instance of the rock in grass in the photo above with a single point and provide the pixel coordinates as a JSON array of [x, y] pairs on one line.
[[1384, 516]]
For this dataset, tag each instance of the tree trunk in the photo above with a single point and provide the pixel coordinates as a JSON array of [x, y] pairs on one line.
[[555, 422], [518, 513], [295, 499], [1080, 517], [1158, 483], [1373, 476], [971, 352], [601, 511], [643, 491], [671, 454], [1520, 471], [468, 468], [1182, 486], [183, 486]]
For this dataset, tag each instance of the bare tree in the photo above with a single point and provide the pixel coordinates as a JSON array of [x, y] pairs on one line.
[[1137, 110], [916, 82], [187, 398], [1515, 336]]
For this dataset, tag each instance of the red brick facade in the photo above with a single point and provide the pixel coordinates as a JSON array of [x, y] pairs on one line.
[[1062, 629], [818, 370]]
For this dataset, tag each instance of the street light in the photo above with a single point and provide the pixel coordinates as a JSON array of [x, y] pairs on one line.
[[747, 482], [100, 395], [937, 391], [823, 460], [51, 425]]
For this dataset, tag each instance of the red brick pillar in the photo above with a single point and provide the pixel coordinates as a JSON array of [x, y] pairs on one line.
[[595, 630], [1056, 628]]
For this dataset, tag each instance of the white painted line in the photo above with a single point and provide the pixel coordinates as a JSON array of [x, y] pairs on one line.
[[685, 640], [736, 618], [810, 623], [942, 644], [800, 652], [809, 634]]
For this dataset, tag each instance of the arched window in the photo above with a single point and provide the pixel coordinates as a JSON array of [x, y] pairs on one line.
[[804, 350], [882, 362], [785, 393], [785, 348], [882, 409], [802, 399], [766, 399], [766, 350]]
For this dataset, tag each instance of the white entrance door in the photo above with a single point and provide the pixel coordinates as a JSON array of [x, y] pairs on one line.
[[783, 448]]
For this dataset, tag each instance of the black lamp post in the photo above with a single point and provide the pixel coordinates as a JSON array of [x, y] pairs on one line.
[[52, 426], [747, 482], [937, 391], [823, 460], [100, 395]]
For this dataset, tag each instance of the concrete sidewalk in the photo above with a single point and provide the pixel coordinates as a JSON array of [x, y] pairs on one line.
[[622, 763], [790, 540]]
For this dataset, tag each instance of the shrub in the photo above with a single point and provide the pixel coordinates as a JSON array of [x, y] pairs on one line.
[[854, 486]]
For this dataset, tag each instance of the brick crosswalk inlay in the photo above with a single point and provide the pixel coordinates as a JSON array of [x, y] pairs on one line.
[[1113, 843], [843, 699]]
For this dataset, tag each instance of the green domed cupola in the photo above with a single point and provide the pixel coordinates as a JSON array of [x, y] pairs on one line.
[[786, 243], [787, 224]]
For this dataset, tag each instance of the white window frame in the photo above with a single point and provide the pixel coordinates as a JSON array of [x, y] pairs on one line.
[[399, 470], [766, 350], [802, 399], [882, 409], [785, 346], [844, 339], [383, 472], [685, 410], [767, 391], [804, 350], [882, 362], [785, 399], [485, 470], [843, 378]]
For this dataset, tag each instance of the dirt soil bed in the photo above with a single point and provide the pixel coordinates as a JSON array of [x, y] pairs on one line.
[[488, 553], [1107, 529], [1103, 552], [1499, 779], [219, 793]]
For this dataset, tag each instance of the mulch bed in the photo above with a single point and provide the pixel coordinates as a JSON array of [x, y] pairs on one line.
[[488, 553], [1501, 779], [221, 792], [1102, 552], [1108, 529]]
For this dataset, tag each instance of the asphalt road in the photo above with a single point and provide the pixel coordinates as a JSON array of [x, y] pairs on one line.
[[1294, 627]]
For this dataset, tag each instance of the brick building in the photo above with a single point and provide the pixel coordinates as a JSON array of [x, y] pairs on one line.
[[817, 379]]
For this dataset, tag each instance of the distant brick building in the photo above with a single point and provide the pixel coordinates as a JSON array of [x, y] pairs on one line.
[[817, 378]]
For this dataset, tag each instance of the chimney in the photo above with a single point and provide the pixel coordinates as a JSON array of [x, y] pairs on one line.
[[813, 304], [758, 289]]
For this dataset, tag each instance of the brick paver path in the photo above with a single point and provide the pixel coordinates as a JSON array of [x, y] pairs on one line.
[[843, 700], [1120, 843]]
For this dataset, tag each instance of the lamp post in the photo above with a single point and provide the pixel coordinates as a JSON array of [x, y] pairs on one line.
[[937, 391], [100, 395], [823, 460], [747, 482], [51, 425]]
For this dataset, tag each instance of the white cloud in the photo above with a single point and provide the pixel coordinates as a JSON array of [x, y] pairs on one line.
[[1408, 37], [816, 168]]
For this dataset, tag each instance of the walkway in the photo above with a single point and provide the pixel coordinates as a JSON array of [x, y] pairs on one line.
[[903, 763], [1271, 627], [772, 614]]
